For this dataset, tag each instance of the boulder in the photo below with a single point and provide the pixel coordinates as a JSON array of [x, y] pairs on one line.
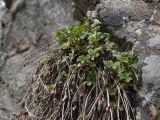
[[25, 39], [136, 22]]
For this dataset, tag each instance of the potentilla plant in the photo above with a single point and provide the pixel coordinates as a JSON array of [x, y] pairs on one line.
[[88, 78]]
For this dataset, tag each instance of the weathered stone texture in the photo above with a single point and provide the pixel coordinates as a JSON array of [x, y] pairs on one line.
[[137, 22], [31, 30]]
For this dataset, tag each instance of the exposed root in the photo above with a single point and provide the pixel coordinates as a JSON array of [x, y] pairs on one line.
[[69, 99]]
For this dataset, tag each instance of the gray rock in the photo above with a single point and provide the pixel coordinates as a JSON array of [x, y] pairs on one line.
[[154, 41], [2, 3], [150, 75], [80, 8], [137, 22], [26, 39], [115, 12]]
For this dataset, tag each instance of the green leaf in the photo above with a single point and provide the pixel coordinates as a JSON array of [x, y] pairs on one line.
[[97, 55], [87, 82], [112, 91], [65, 46], [91, 46], [90, 51], [83, 59], [128, 79], [83, 35], [106, 35], [108, 63], [50, 87], [116, 65], [95, 26], [110, 45], [125, 76]]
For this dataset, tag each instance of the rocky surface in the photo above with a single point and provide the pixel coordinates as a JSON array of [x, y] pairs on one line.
[[137, 22], [25, 39], [81, 7]]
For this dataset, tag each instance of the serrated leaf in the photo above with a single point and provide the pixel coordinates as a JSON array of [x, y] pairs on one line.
[[108, 63]]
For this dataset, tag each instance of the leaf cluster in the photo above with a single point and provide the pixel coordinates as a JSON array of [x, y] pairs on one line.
[[92, 48], [86, 79]]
